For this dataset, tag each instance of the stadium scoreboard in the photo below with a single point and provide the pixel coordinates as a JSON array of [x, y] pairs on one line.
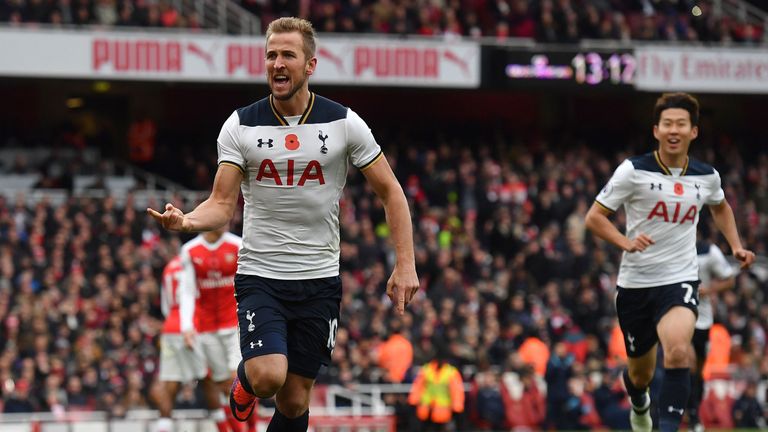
[[516, 68]]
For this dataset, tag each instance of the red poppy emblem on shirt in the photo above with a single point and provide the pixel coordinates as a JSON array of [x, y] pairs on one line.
[[678, 189], [292, 142]]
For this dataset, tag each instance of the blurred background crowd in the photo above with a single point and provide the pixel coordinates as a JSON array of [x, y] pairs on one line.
[[550, 21], [515, 292]]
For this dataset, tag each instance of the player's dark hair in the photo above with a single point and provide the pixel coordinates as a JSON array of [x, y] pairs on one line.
[[677, 100], [293, 24]]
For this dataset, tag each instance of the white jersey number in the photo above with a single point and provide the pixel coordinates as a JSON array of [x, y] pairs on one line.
[[333, 326], [689, 298]]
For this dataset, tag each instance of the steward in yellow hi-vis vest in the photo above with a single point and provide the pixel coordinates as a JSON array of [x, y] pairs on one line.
[[437, 392]]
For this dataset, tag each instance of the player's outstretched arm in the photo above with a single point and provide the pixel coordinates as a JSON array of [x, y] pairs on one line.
[[722, 214], [597, 221], [212, 213], [403, 283]]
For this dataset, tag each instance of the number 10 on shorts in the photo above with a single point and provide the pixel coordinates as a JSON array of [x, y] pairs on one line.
[[333, 325]]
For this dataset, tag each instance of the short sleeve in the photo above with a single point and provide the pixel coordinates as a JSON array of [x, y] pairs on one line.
[[717, 196], [720, 266], [362, 146], [228, 143], [619, 187]]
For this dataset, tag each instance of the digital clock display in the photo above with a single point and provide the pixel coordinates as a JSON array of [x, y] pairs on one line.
[[511, 67], [592, 68]]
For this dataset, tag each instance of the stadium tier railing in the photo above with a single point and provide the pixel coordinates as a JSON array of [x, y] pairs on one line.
[[224, 15], [742, 11], [123, 183]]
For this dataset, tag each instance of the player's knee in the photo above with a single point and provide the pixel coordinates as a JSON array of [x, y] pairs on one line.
[[264, 379], [157, 393], [293, 404], [265, 384], [677, 356], [641, 378]]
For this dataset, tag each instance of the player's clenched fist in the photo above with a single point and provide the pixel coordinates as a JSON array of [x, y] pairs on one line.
[[172, 219], [640, 243], [745, 257]]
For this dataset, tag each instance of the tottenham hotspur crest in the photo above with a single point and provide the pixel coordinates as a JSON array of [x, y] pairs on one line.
[[631, 340], [249, 316], [323, 148]]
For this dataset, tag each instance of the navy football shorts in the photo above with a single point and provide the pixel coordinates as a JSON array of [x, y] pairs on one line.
[[640, 310], [296, 318]]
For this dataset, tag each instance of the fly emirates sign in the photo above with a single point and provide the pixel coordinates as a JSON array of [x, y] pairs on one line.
[[206, 58], [710, 69]]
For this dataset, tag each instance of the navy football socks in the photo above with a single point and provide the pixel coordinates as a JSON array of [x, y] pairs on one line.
[[673, 399], [638, 397], [281, 423], [244, 378]]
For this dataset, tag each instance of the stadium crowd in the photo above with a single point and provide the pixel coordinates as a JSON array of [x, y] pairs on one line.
[[515, 290], [553, 21]]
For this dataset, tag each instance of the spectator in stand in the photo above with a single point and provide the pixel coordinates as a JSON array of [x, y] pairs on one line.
[[396, 353], [20, 399], [716, 410], [142, 136], [536, 353], [747, 412], [105, 12], [524, 404], [437, 393], [487, 404], [77, 399], [559, 373], [611, 402], [579, 411]]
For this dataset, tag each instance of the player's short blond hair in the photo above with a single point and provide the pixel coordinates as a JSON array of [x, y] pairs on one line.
[[293, 24]]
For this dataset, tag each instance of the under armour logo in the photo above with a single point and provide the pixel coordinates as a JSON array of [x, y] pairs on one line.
[[654, 185], [675, 410], [258, 343], [249, 316], [267, 142], [631, 340], [698, 191], [322, 137]]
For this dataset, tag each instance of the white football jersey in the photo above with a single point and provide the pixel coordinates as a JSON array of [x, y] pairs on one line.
[[666, 207], [712, 265], [293, 176]]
